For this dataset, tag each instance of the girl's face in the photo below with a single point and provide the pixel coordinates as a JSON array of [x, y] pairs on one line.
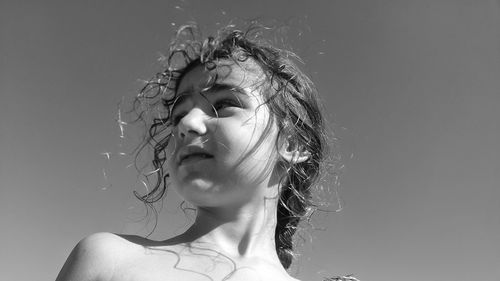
[[222, 151]]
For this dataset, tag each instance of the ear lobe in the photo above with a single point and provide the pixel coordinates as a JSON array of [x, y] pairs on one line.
[[293, 153]]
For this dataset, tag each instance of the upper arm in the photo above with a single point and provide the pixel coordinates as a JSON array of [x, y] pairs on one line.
[[92, 259]]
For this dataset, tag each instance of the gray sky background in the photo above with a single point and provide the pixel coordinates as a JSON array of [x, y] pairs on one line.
[[412, 89]]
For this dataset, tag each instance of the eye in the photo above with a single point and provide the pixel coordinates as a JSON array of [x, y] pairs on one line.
[[178, 109], [225, 103]]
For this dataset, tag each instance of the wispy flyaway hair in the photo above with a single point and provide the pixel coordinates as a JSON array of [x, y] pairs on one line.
[[289, 94]]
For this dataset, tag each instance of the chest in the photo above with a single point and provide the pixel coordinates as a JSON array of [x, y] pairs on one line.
[[192, 266]]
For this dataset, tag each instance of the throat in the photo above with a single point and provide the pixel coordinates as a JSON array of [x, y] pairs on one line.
[[246, 235]]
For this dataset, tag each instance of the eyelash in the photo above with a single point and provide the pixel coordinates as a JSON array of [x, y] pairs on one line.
[[219, 105], [225, 103]]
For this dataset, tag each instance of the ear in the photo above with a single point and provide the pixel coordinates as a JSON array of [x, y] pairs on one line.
[[292, 152]]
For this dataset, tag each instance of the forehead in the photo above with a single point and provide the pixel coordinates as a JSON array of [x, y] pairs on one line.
[[246, 74]]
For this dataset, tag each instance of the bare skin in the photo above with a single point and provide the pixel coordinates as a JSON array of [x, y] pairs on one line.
[[109, 257], [235, 189]]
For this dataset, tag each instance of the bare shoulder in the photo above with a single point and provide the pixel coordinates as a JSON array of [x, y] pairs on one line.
[[112, 257], [96, 256]]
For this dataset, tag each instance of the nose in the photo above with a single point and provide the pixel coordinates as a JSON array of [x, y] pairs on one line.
[[193, 123]]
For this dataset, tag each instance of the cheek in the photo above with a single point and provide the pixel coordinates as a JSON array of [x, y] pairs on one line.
[[253, 151], [240, 141]]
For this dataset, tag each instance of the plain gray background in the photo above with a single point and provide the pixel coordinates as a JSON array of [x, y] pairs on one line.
[[412, 88]]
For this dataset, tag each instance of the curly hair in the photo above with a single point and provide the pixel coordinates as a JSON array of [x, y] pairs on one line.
[[292, 101]]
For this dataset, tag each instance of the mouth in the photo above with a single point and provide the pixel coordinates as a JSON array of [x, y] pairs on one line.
[[193, 155]]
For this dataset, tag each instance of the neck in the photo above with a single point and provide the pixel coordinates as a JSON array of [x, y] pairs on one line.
[[242, 232]]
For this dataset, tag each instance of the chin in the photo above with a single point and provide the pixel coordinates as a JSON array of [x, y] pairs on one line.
[[197, 189]]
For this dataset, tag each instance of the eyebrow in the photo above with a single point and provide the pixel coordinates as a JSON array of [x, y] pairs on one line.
[[222, 87]]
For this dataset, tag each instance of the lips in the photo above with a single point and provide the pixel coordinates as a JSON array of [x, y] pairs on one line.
[[192, 154]]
